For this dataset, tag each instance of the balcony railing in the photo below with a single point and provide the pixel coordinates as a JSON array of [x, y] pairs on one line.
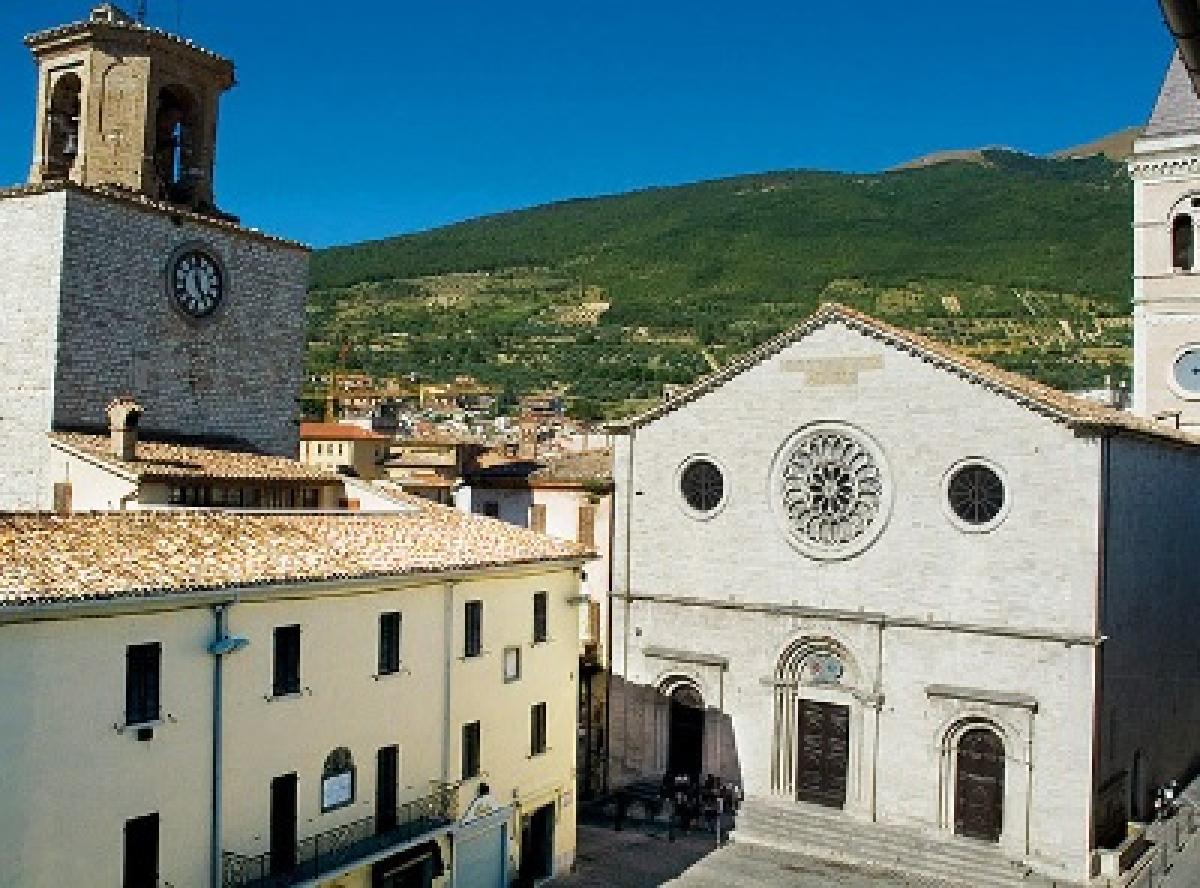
[[338, 849]]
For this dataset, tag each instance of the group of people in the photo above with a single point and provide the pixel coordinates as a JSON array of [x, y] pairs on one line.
[[694, 803]]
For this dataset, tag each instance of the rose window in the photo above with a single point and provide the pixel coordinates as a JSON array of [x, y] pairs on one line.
[[834, 492]]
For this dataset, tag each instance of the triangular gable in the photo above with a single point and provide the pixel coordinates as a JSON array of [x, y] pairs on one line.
[[1032, 395]]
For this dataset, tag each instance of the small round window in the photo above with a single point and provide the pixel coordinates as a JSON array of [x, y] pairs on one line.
[[702, 485], [976, 495]]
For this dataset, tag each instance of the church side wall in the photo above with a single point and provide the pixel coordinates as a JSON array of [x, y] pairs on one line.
[[1149, 704], [31, 229], [234, 376]]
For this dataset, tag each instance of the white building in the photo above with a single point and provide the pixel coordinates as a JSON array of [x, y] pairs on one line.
[[861, 571]]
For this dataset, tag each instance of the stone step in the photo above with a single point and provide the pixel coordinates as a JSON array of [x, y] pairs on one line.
[[850, 852], [829, 834], [868, 837]]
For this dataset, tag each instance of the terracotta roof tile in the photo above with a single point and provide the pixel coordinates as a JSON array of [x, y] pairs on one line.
[[89, 557], [87, 25], [337, 431], [165, 460], [1074, 411]]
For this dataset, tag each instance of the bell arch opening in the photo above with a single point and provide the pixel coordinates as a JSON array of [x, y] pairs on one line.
[[62, 126], [176, 146]]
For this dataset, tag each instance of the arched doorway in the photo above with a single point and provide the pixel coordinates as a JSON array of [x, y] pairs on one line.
[[979, 785], [685, 747]]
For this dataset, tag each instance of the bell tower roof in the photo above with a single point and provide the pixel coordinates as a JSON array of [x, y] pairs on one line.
[[109, 20], [127, 105]]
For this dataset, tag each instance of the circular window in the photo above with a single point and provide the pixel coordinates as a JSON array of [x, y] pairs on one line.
[[832, 490], [1187, 372], [702, 485], [976, 495]]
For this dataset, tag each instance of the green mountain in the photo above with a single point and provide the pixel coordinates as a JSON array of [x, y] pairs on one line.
[[1023, 261]]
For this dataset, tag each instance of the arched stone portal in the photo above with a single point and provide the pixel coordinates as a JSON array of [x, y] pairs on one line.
[[817, 715]]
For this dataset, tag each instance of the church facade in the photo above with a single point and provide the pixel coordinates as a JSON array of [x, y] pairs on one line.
[[860, 571], [122, 277]]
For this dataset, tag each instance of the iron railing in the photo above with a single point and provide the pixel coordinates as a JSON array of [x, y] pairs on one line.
[[338, 848]]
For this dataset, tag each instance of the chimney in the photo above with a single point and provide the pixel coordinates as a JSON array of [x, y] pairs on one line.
[[123, 416], [527, 438]]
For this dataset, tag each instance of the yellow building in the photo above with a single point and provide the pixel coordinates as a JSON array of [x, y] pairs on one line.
[[200, 698], [342, 447]]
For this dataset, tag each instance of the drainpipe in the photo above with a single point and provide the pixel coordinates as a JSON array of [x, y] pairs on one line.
[[448, 658], [215, 864], [223, 645]]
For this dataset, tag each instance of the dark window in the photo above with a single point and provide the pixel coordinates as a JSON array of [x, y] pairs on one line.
[[287, 660], [976, 494], [141, 852], [387, 782], [541, 631], [702, 485], [491, 510], [143, 667], [389, 643], [470, 751], [537, 729], [473, 638], [1183, 242]]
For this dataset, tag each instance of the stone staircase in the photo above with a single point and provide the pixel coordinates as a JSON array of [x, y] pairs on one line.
[[927, 860]]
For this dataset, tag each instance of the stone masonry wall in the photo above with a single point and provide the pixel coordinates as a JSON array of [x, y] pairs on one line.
[[234, 376], [31, 231]]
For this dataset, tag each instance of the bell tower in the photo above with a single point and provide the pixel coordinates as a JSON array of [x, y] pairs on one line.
[[123, 104], [1166, 275]]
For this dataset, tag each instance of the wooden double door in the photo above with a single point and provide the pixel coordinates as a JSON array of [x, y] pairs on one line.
[[824, 754], [979, 787]]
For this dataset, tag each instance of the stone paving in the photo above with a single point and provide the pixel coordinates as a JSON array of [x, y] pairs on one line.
[[637, 859]]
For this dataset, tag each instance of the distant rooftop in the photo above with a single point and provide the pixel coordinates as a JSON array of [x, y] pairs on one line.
[[45, 559], [570, 469], [164, 460], [337, 431]]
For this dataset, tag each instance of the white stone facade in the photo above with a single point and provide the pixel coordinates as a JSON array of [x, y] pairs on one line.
[[940, 629], [87, 317]]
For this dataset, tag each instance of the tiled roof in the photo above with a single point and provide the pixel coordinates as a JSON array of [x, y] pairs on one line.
[[1074, 411], [90, 557], [119, 24], [141, 201], [583, 467], [166, 460], [337, 431], [1177, 110]]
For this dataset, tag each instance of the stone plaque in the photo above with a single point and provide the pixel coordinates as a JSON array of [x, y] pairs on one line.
[[833, 371]]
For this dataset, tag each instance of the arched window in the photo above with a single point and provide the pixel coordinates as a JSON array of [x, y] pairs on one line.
[[337, 780], [1183, 243], [62, 126], [176, 136]]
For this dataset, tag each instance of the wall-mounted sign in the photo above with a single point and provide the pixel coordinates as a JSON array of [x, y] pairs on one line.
[[337, 790]]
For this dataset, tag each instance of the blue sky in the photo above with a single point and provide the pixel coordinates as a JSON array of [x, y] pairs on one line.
[[362, 120]]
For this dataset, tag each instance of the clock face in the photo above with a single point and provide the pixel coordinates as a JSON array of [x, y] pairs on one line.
[[1187, 371], [197, 283]]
